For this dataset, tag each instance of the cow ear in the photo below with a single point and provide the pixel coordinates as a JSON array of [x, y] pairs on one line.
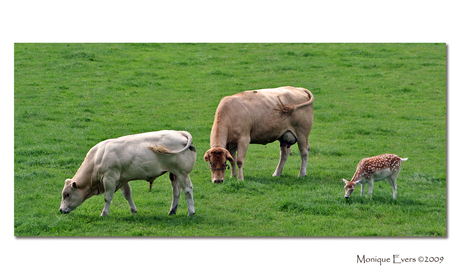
[[230, 158], [206, 156], [74, 185]]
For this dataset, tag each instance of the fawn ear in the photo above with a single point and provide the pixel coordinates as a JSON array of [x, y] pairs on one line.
[[357, 181], [344, 180]]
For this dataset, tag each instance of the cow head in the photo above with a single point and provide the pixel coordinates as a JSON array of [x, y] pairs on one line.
[[72, 196], [349, 187], [217, 158]]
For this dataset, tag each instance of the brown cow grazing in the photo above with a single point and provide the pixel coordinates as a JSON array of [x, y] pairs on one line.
[[260, 116]]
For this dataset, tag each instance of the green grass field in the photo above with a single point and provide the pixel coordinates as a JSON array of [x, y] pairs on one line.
[[369, 99]]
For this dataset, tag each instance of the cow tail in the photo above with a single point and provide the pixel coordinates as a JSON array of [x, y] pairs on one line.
[[312, 99], [158, 148], [286, 110]]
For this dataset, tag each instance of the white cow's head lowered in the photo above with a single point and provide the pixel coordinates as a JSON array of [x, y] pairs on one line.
[[72, 196], [217, 158]]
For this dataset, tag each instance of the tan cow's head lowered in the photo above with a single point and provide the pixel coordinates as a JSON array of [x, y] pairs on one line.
[[217, 158], [72, 196]]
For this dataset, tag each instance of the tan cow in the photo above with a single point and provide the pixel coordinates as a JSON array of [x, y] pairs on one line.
[[112, 163], [260, 116]]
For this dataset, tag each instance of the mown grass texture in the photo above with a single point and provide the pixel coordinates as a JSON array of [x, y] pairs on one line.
[[369, 99]]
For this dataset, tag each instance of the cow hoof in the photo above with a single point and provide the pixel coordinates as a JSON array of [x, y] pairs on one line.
[[173, 210]]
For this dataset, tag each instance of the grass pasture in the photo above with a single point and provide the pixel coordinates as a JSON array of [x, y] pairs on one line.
[[369, 99]]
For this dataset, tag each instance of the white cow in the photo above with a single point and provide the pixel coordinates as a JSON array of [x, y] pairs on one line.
[[112, 163]]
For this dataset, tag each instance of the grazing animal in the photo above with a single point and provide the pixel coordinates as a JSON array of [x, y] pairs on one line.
[[386, 166], [260, 117], [112, 163]]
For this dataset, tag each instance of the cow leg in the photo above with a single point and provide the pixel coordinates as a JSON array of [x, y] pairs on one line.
[[304, 148], [150, 185], [176, 193], [126, 190], [187, 186], [108, 196], [232, 150], [183, 182], [284, 154], [110, 185], [242, 149]]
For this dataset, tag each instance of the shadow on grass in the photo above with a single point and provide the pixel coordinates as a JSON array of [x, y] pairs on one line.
[[154, 219], [377, 199]]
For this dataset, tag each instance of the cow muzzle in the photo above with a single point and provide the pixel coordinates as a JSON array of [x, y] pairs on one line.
[[64, 210], [218, 173], [218, 180]]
